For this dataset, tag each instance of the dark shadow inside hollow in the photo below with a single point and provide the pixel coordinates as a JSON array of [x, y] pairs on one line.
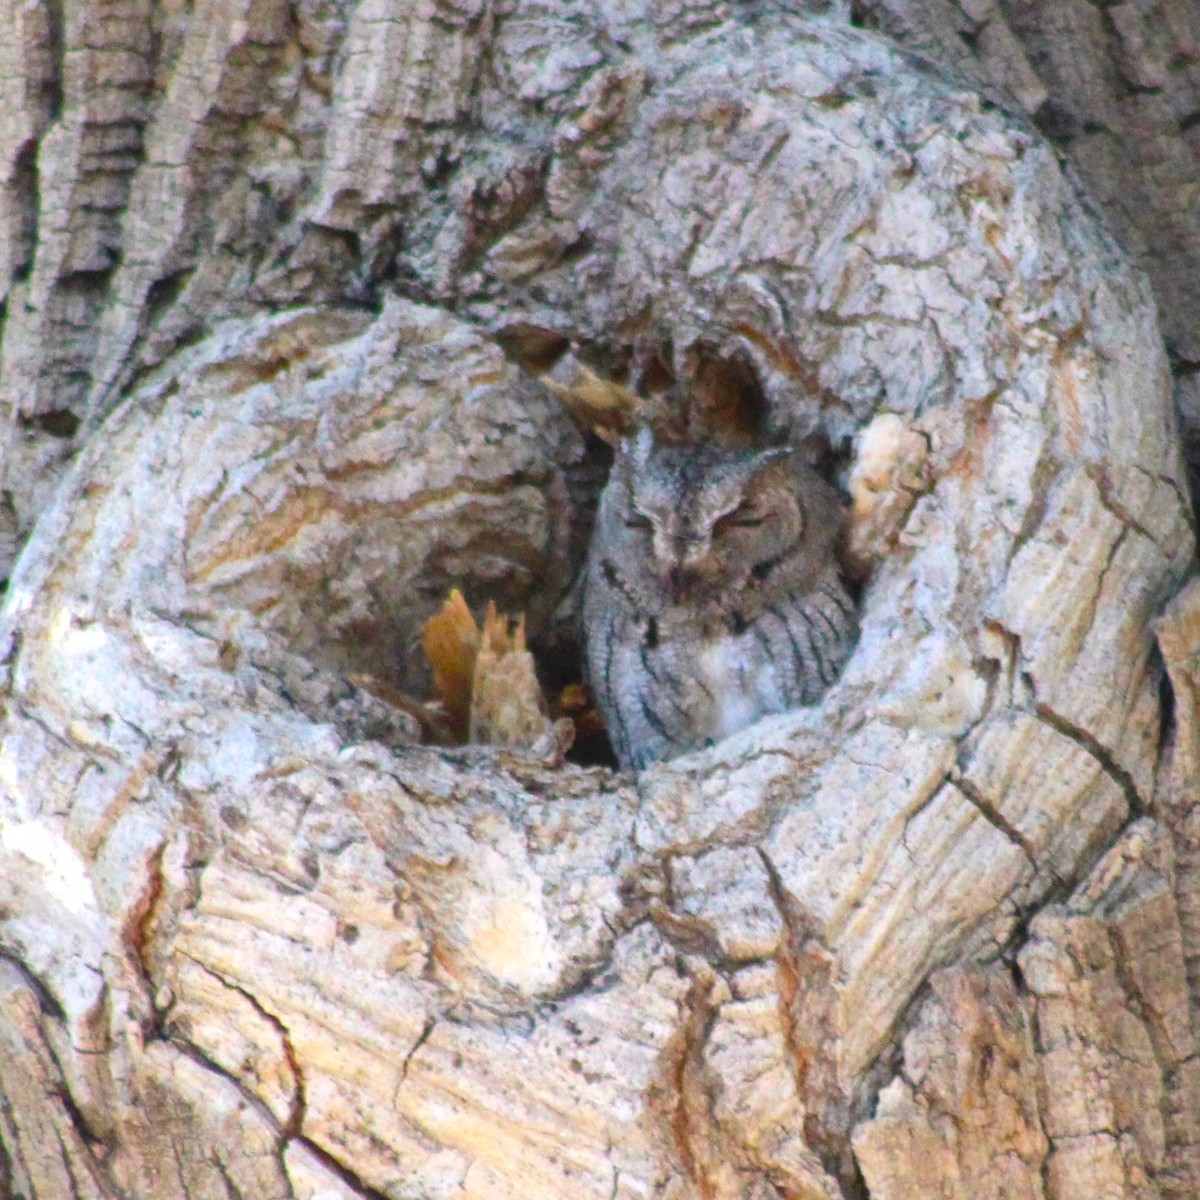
[[473, 552], [533, 348], [726, 396]]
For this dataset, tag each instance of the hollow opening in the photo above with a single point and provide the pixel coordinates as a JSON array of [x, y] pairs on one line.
[[357, 513]]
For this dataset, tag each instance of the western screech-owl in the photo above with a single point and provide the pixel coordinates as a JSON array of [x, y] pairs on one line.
[[711, 594]]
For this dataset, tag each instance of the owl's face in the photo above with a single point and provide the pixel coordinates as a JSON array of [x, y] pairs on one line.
[[701, 522]]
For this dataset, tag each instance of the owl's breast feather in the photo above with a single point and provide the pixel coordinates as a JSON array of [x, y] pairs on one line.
[[740, 684]]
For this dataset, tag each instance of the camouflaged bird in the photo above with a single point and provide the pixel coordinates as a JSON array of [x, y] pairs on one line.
[[712, 594]]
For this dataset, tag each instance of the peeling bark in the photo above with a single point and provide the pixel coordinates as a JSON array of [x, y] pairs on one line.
[[280, 281]]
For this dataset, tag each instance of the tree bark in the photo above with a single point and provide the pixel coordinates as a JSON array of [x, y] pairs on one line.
[[280, 281], [1116, 87]]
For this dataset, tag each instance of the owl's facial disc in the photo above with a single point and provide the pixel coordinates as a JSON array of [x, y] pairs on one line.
[[681, 552], [706, 521]]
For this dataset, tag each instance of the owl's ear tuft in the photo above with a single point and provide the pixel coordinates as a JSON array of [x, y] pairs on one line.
[[767, 460], [746, 469]]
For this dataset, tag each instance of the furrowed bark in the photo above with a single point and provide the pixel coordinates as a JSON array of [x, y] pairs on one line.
[[280, 282]]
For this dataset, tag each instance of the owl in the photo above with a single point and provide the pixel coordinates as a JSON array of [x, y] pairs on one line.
[[711, 594]]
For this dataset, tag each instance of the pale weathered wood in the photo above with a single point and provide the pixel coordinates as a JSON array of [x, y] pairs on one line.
[[1077, 1079], [1117, 88], [936, 935]]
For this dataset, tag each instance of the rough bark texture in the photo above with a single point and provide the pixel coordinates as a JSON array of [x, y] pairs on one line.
[[278, 279], [1117, 88]]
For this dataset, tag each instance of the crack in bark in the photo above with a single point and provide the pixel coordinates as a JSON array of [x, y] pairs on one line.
[[231, 1188], [1181, 496], [298, 1103], [135, 934], [89, 750], [56, 1091], [65, 1156], [200, 1058], [344, 1174], [685, 1074], [47, 1001], [805, 964], [992, 815], [1088, 742], [422, 1038], [1114, 507]]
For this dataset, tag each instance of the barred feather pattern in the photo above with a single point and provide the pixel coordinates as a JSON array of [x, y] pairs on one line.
[[712, 596]]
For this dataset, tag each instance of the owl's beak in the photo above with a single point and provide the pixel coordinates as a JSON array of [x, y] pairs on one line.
[[677, 581], [683, 579], [687, 568]]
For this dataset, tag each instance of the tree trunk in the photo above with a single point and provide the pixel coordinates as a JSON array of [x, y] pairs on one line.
[[280, 283]]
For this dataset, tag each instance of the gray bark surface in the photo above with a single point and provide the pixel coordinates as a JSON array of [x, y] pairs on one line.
[[1116, 87], [280, 280]]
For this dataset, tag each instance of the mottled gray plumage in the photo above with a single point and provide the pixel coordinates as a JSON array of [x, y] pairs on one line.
[[711, 595]]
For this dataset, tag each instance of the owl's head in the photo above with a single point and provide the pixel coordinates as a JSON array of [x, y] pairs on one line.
[[706, 520]]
